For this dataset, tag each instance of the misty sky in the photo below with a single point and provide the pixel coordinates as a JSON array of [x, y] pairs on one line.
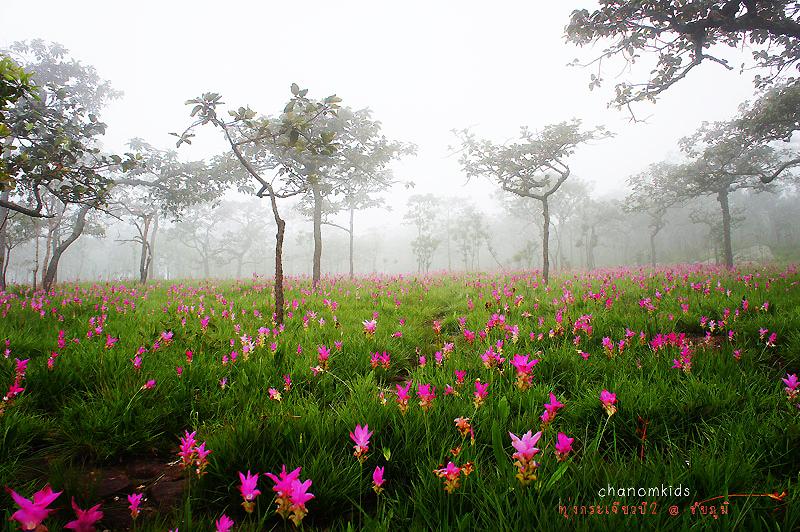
[[424, 69]]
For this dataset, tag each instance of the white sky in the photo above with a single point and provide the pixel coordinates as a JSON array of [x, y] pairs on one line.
[[424, 69]]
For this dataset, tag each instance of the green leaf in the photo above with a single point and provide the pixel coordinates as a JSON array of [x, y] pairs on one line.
[[497, 443], [556, 476], [387, 454], [295, 89]]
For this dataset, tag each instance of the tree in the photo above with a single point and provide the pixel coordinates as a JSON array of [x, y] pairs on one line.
[[261, 144], [533, 167], [651, 194], [681, 34], [347, 179], [158, 185], [50, 142], [721, 163], [422, 209]]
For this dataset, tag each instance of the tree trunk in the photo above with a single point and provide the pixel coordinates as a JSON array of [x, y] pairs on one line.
[[48, 244], [145, 257], [545, 240], [151, 271], [77, 229], [352, 213], [279, 305], [3, 239], [722, 197], [653, 249], [317, 266], [36, 259]]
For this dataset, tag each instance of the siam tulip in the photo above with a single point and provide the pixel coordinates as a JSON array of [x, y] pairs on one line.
[[792, 390], [452, 475], [608, 345], [291, 494], [380, 359], [480, 393], [563, 446], [249, 490], [449, 390], [202, 459], [134, 500], [437, 326], [465, 428], [403, 396], [460, 375], [427, 394], [377, 480], [323, 353], [422, 361], [31, 513], [86, 519], [523, 458], [370, 327], [361, 439], [287, 383], [609, 401], [224, 524], [149, 385], [110, 341], [337, 344], [137, 362], [524, 368], [274, 394], [166, 337], [187, 448], [551, 409]]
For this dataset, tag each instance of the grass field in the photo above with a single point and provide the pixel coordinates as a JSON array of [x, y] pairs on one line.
[[721, 427]]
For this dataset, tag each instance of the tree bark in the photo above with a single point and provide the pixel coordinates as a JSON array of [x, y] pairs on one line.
[[545, 240], [722, 197], [145, 257], [3, 238], [317, 266], [352, 213], [151, 270], [279, 304], [77, 229], [653, 249]]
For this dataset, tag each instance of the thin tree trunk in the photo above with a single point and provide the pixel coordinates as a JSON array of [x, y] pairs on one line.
[[52, 267], [653, 249], [36, 259], [545, 240], [352, 213], [151, 270], [317, 266], [279, 304], [144, 257], [722, 197], [3, 238]]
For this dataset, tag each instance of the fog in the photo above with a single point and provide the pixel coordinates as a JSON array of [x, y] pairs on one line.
[[426, 72]]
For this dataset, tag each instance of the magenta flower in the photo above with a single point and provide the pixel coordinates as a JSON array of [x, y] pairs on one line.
[[224, 523], [149, 385], [480, 393], [526, 450], [460, 375], [427, 394], [31, 513], [202, 459], [524, 368], [86, 519], [403, 396], [609, 402], [323, 354], [451, 474], [792, 390], [249, 490], [370, 327], [361, 438], [291, 494], [563, 446], [274, 394], [134, 500], [378, 480], [298, 498]]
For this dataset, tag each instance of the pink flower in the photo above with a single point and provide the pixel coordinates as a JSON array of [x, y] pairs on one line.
[[31, 513], [110, 341], [274, 394], [609, 402], [563, 446], [149, 385], [291, 494], [524, 368], [137, 362], [86, 519], [427, 394], [480, 393], [323, 353], [189, 356], [526, 450], [378, 480], [287, 383], [792, 390], [361, 439], [249, 490], [451, 474], [202, 459], [224, 523], [550, 409], [403, 396], [370, 327], [134, 500]]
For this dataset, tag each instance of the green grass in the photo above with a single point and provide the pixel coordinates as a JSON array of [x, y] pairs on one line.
[[723, 429]]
